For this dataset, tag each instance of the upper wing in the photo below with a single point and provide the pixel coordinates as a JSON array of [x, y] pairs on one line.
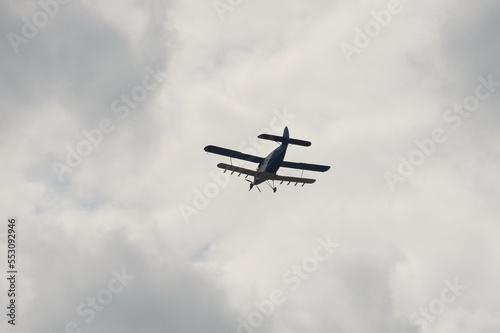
[[305, 166], [266, 175], [233, 153]]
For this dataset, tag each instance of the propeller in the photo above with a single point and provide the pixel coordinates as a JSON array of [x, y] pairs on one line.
[[252, 185]]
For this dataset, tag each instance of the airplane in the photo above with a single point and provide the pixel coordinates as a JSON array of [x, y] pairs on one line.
[[267, 167]]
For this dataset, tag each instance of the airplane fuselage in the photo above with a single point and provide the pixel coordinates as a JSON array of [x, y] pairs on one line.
[[274, 160]]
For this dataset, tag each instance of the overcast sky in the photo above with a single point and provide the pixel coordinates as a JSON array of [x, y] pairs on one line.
[[125, 224]]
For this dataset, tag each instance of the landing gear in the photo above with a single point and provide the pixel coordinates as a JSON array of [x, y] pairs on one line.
[[274, 188]]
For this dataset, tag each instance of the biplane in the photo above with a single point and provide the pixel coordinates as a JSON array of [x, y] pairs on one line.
[[267, 167]]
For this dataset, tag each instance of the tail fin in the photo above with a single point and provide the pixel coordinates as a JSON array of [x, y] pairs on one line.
[[286, 134]]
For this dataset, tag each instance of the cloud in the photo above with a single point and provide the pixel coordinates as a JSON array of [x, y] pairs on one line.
[[222, 82]]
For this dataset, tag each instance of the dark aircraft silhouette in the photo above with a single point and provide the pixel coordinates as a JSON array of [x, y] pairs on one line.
[[267, 168]]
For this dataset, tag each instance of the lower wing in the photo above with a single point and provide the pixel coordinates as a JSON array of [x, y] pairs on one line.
[[265, 175]]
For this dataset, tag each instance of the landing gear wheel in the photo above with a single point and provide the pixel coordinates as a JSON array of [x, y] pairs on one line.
[[274, 188]]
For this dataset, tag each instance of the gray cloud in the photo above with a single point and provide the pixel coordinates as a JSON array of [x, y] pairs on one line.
[[119, 208]]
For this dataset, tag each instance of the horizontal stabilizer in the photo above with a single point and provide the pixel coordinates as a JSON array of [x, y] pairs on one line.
[[282, 139]]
